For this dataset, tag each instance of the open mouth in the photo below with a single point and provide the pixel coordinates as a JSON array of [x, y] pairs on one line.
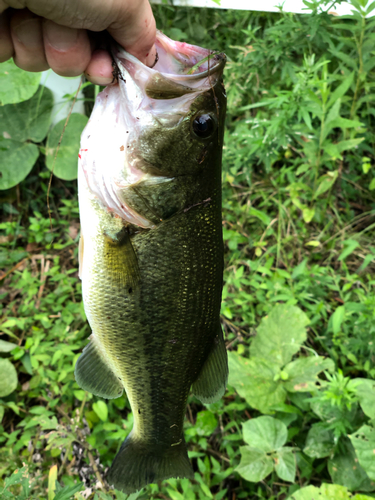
[[180, 63]]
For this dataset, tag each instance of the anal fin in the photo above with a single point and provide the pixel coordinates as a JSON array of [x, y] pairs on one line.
[[93, 374], [211, 382]]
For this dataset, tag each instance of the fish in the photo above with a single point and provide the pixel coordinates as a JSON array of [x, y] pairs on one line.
[[151, 251]]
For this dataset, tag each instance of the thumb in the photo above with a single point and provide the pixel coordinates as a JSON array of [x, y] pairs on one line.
[[135, 31]]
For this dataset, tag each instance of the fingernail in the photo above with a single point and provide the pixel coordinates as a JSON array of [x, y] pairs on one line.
[[60, 37], [29, 33]]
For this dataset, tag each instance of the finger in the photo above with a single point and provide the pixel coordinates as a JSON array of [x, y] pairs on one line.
[[2, 6], [6, 45], [135, 30], [27, 38], [67, 50], [99, 69]]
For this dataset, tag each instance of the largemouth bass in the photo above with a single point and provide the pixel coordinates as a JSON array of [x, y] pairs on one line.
[[151, 251]]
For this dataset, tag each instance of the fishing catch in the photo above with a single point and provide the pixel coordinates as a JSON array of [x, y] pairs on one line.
[[151, 251]]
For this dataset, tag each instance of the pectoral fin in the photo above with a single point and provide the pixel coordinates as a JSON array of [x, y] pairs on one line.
[[210, 385], [94, 375], [120, 259]]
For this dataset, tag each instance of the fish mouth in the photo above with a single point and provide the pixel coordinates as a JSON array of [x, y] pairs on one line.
[[180, 68]]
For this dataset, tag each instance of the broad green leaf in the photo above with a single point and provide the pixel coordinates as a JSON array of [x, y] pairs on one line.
[[254, 381], [303, 372], [320, 442], [8, 378], [326, 492], [280, 335], [344, 468], [285, 464], [364, 444], [67, 157], [2, 410], [101, 409], [255, 465], [337, 319], [206, 423], [16, 160], [366, 395], [16, 85], [308, 214], [28, 120], [6, 346], [26, 361], [265, 433]]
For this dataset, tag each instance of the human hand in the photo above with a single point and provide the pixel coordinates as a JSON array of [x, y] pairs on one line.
[[42, 34]]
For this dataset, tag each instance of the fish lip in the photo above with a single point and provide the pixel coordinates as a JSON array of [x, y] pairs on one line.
[[121, 57]]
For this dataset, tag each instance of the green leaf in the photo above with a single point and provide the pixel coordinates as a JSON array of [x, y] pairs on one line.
[[254, 381], [263, 217], [28, 120], [308, 214], [325, 183], [26, 361], [332, 150], [303, 372], [8, 378], [101, 409], [285, 465], [341, 89], [320, 442], [366, 394], [364, 444], [206, 423], [16, 160], [255, 465], [349, 144], [16, 85], [6, 346], [349, 247], [344, 123], [337, 319], [2, 410], [67, 156], [280, 335], [16, 477], [326, 492], [265, 433], [67, 492], [344, 468], [52, 477], [333, 112]]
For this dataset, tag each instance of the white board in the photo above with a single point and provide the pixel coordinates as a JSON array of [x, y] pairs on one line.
[[296, 6]]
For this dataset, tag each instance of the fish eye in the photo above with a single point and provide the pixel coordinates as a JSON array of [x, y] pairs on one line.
[[204, 125]]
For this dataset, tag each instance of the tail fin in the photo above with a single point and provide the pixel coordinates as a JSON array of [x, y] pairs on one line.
[[138, 464]]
